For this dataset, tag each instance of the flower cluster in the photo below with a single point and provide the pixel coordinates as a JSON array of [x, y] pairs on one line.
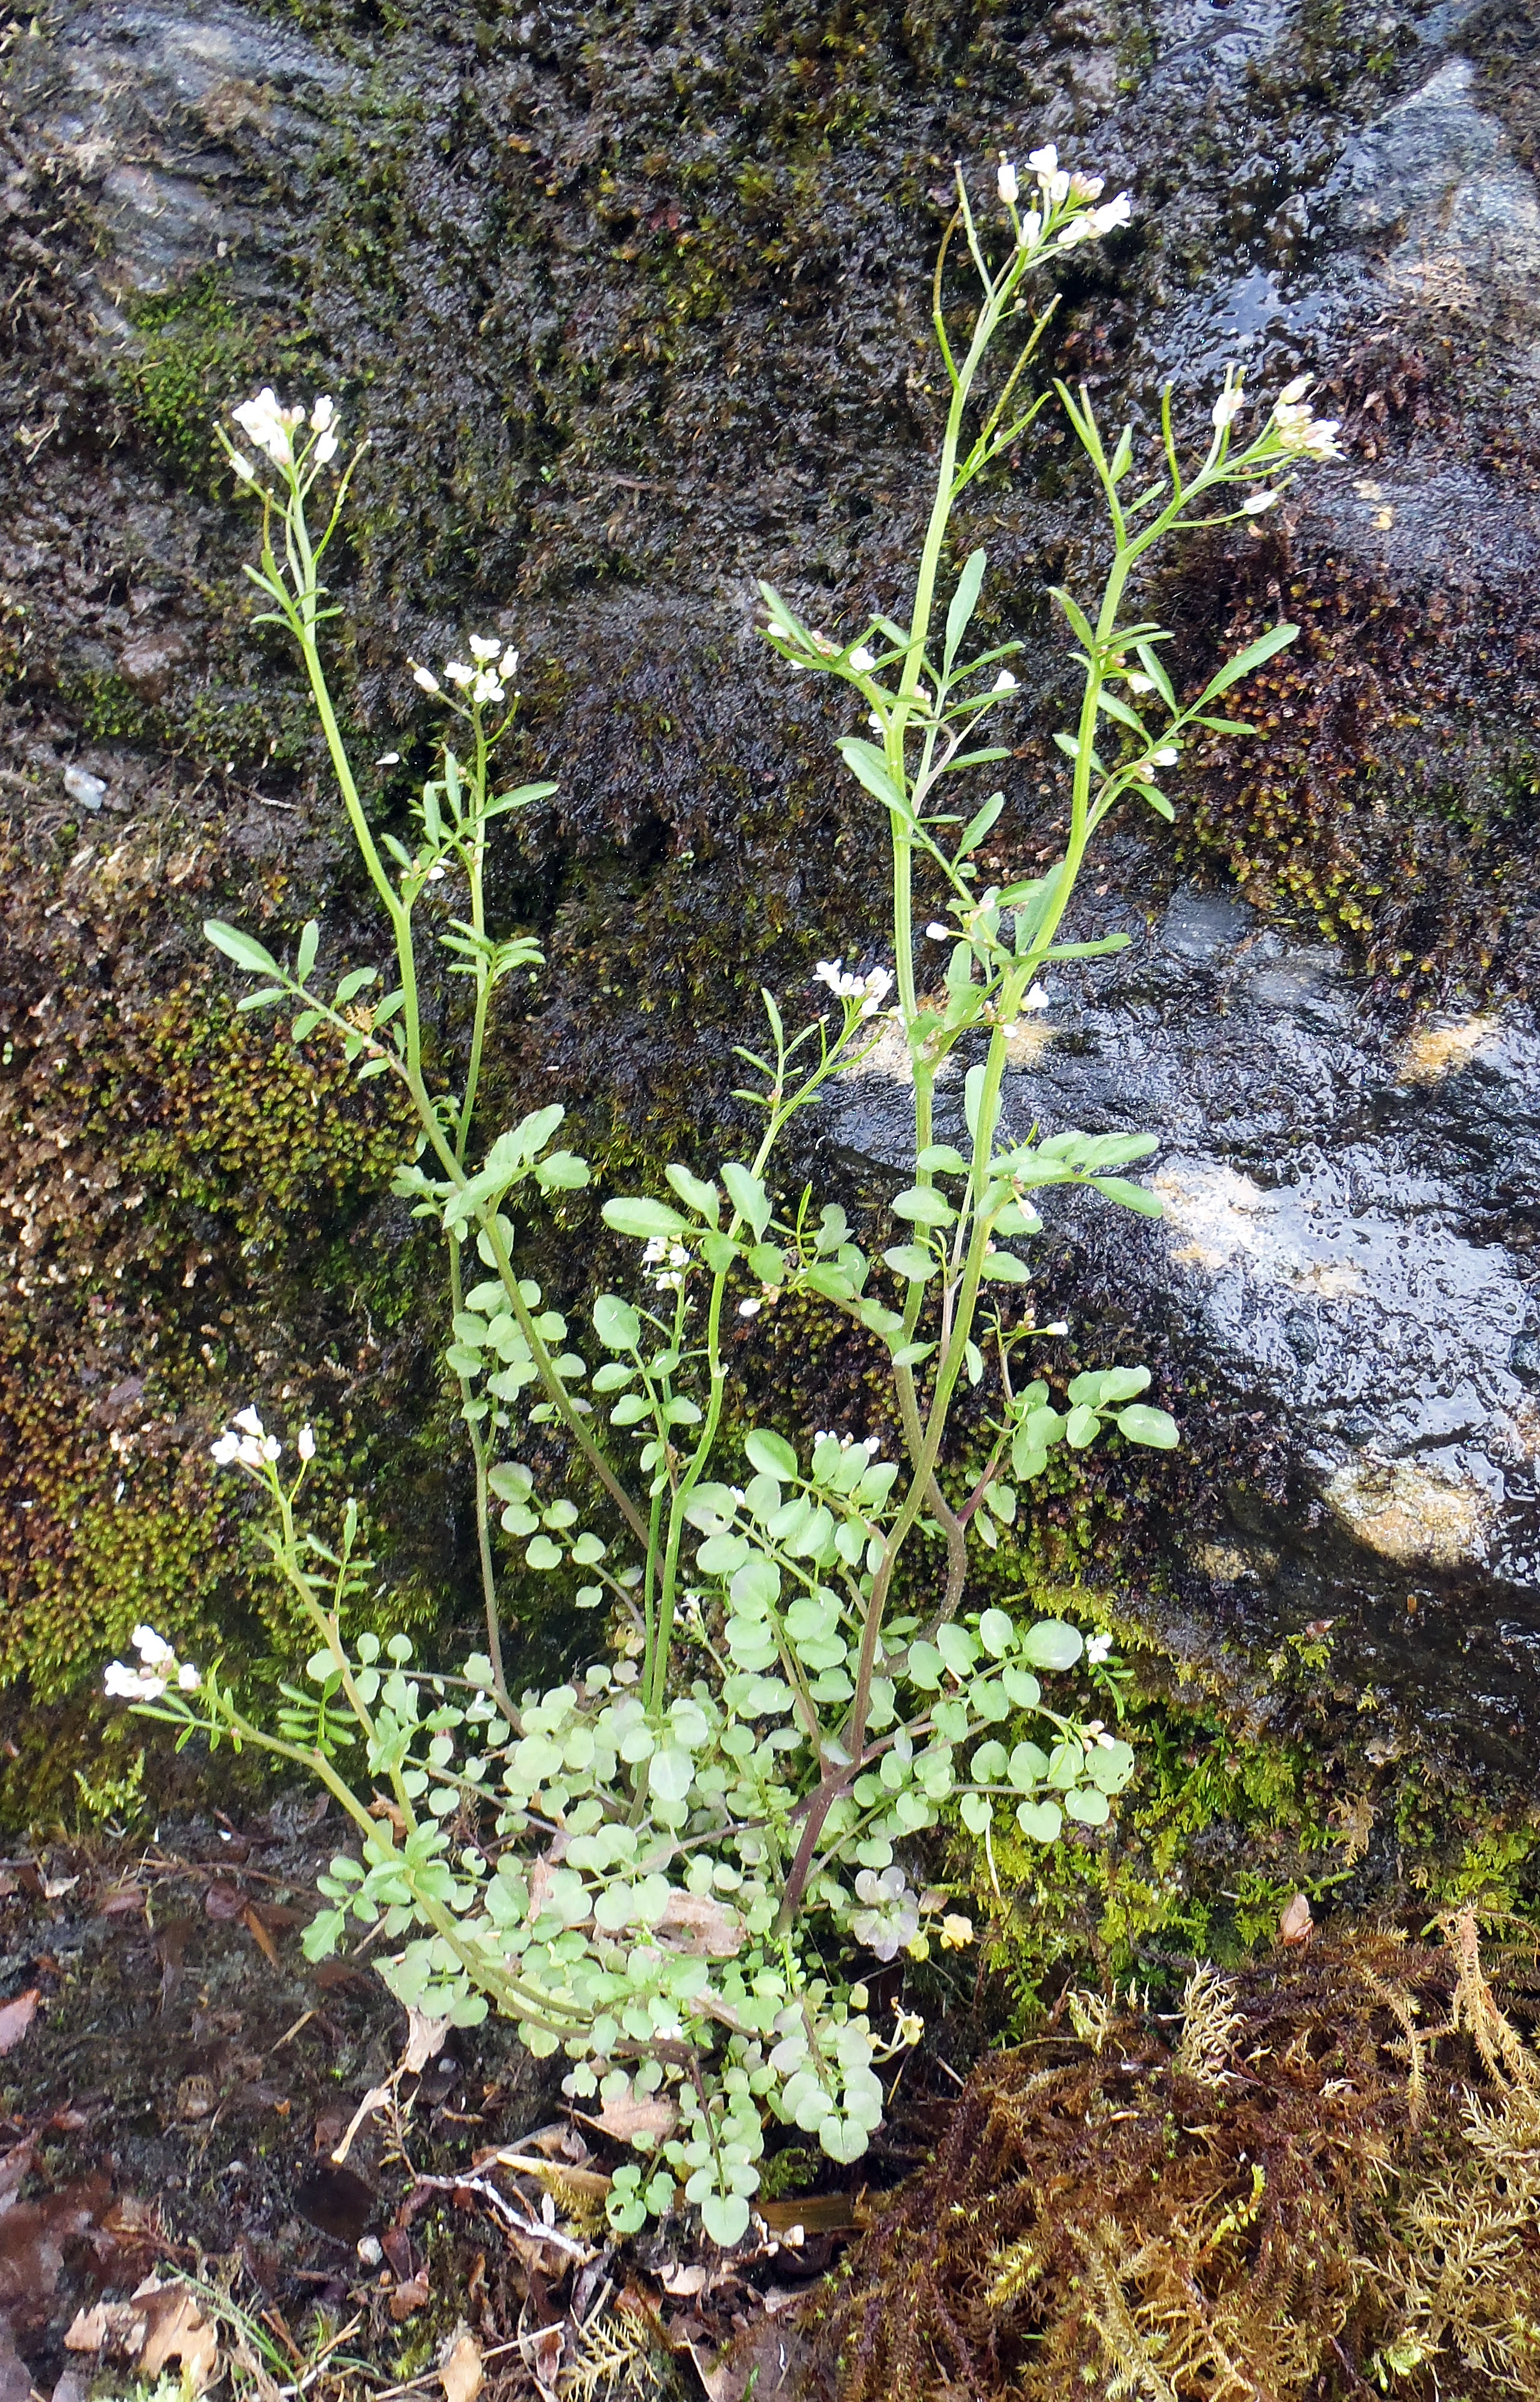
[[1299, 431], [870, 990], [1056, 185], [248, 1445], [670, 1259], [486, 683], [272, 428], [161, 1669]]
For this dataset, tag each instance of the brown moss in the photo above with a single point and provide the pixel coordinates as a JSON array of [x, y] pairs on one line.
[[1324, 2170]]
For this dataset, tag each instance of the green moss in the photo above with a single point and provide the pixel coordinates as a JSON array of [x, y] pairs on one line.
[[194, 348]]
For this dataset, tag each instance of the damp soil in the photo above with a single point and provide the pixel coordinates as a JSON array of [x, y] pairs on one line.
[[178, 2080]]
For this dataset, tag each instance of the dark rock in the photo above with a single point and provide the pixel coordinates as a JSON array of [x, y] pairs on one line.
[[1351, 1213], [146, 663]]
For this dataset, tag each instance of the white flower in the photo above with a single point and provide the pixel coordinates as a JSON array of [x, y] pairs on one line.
[[877, 986], [1005, 183], [323, 417], [1227, 407], [656, 1252], [1050, 176], [936, 933], [458, 673], [1165, 756], [188, 1679], [486, 687], [152, 1649], [1140, 683], [325, 448], [1255, 502], [1087, 187], [305, 1445], [484, 647], [1038, 998], [1032, 225], [1112, 214], [251, 1446], [389, 759], [1299, 431], [1098, 1649], [1060, 1325], [129, 1685], [420, 676], [862, 660], [869, 990], [509, 664], [1004, 682], [750, 1307], [267, 426], [242, 467]]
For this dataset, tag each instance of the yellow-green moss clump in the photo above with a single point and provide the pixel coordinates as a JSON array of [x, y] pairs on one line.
[[178, 1194]]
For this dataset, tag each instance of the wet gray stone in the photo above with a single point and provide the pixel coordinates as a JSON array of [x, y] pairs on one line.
[[139, 101], [1344, 1250]]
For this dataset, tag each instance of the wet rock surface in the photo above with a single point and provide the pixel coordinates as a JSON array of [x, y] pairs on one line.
[[1348, 1249], [632, 302]]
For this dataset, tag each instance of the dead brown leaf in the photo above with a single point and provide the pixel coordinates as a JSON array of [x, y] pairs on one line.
[[177, 2331], [410, 2297], [1296, 1926], [650, 2119], [461, 2373], [121, 2325], [88, 2330], [16, 2016], [821, 2214], [330, 1974], [543, 2351], [701, 1926], [259, 1936], [425, 2041]]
